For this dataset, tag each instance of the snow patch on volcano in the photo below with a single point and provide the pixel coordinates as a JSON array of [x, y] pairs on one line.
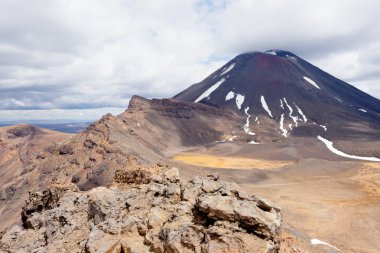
[[329, 145], [300, 112], [283, 130], [247, 130], [230, 95], [294, 118], [362, 110], [271, 52], [282, 104], [311, 82], [210, 90], [265, 106], [228, 69], [239, 100]]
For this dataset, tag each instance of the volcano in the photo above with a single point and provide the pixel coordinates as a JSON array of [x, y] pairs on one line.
[[149, 179], [290, 95]]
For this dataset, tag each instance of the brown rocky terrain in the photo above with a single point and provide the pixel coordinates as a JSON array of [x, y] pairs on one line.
[[322, 196], [139, 137], [88, 179], [19, 143], [18, 146], [146, 211]]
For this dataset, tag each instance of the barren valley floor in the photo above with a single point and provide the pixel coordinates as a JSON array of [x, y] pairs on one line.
[[327, 198]]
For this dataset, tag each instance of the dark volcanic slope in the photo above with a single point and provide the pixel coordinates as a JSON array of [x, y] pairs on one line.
[[301, 98]]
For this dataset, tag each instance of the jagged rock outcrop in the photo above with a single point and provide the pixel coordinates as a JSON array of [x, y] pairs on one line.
[[146, 211]]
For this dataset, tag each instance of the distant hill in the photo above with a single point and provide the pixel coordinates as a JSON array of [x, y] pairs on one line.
[[61, 127]]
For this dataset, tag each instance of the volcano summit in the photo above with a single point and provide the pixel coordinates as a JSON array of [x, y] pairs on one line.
[[291, 95]]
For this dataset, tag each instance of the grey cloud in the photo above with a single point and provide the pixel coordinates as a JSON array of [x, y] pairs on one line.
[[94, 53]]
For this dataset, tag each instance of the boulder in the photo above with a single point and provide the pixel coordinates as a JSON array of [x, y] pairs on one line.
[[145, 211]]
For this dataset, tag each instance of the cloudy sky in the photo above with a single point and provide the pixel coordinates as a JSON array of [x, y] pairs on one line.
[[86, 54]]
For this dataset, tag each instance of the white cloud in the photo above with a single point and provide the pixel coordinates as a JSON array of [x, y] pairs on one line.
[[94, 53]]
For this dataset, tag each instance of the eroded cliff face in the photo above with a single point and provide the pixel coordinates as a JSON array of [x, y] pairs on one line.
[[146, 211]]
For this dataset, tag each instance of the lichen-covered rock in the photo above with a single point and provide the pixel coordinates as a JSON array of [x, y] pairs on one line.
[[133, 176], [147, 212]]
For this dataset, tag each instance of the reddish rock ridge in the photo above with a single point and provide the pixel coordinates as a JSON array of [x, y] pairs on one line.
[[138, 138]]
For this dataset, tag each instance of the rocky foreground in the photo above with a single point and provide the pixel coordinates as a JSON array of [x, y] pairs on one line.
[[146, 211]]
